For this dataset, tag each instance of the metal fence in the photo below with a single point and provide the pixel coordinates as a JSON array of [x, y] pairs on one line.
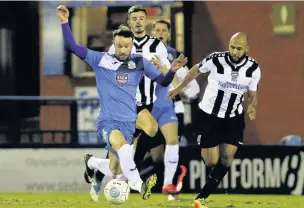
[[34, 120]]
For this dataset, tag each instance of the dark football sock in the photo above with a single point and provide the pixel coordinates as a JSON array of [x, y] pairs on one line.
[[143, 146], [213, 180], [99, 175]]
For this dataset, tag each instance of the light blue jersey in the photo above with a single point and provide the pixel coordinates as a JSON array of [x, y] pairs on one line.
[[161, 92], [116, 84]]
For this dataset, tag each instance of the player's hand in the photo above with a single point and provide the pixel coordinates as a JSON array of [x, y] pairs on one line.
[[173, 93], [156, 61], [179, 62], [251, 110], [63, 13]]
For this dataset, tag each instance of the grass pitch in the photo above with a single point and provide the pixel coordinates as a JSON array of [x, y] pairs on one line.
[[156, 201]]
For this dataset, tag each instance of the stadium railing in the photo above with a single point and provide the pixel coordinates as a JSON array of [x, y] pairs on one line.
[[20, 121]]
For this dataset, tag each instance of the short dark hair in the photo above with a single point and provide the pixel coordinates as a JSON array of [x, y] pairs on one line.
[[136, 8], [162, 22], [123, 31]]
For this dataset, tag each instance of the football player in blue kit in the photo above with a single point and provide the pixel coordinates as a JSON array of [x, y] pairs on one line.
[[117, 77]]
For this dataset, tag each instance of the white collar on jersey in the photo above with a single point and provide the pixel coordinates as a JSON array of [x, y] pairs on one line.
[[141, 40], [238, 64]]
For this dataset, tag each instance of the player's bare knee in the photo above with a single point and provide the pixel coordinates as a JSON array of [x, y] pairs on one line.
[[117, 143], [210, 164], [172, 141], [157, 153], [152, 129], [158, 158], [226, 160], [210, 161]]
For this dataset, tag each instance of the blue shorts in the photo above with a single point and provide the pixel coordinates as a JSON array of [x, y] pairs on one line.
[[106, 127], [164, 115]]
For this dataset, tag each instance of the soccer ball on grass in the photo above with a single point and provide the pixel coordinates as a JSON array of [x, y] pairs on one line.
[[116, 191]]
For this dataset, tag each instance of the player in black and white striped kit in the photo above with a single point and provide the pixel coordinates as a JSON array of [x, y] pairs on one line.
[[232, 74], [152, 98]]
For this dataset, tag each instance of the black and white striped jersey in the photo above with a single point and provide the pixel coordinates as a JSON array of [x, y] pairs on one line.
[[148, 47], [227, 83]]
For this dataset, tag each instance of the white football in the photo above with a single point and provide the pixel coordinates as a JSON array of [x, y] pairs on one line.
[[116, 191]]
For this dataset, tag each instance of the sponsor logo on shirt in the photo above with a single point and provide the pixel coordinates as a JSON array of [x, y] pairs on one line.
[[232, 85], [122, 79]]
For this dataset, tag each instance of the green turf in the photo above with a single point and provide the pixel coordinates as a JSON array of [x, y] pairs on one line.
[[156, 201]]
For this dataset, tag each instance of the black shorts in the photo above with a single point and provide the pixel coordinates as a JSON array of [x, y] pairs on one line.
[[213, 130], [140, 108]]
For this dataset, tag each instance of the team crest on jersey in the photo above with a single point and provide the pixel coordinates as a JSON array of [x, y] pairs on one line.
[[122, 79], [170, 57], [234, 76], [131, 65]]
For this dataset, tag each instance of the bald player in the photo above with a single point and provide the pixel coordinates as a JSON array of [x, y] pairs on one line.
[[232, 74]]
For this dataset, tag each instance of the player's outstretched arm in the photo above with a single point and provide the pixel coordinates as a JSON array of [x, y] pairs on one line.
[[193, 73], [69, 41], [192, 88], [164, 80], [163, 69], [152, 72]]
